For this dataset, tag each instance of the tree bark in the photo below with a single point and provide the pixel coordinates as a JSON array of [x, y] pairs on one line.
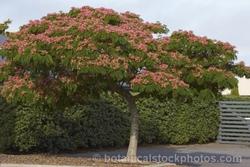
[[134, 130], [133, 141]]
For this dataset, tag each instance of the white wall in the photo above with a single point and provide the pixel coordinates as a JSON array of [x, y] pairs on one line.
[[244, 86]]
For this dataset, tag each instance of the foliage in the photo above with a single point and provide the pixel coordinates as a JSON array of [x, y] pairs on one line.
[[213, 60], [37, 128], [166, 122], [97, 124], [7, 119], [196, 122], [235, 98], [170, 121], [4, 26], [235, 91], [90, 50]]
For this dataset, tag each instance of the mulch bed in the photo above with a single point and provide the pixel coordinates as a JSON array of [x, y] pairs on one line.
[[47, 159]]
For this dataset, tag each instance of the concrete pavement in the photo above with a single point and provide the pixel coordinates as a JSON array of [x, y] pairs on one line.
[[198, 155]]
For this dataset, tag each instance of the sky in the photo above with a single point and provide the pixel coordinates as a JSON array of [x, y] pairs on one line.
[[226, 20]]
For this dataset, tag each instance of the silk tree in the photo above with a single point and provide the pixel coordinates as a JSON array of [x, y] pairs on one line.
[[65, 57]]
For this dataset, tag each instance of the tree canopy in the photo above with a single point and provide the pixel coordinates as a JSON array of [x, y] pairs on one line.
[[89, 50], [4, 26]]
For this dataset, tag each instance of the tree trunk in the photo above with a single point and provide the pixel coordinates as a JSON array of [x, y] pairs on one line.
[[133, 141]]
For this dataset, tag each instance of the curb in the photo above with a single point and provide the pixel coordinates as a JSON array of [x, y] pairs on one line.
[[162, 165]]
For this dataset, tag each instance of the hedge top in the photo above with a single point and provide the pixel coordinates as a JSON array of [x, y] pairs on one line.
[[91, 49]]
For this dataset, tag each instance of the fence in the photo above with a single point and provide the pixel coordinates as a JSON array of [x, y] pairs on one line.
[[234, 122]]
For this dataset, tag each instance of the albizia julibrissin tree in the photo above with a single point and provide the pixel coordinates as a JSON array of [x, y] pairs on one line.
[[65, 57]]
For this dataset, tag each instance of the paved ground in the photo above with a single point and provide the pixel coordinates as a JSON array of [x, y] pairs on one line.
[[206, 155]]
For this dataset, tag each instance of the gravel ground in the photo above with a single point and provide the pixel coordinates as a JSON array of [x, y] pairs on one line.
[[46, 159]]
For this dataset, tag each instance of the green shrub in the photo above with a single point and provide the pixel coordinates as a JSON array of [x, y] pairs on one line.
[[98, 124], [235, 98], [235, 92], [105, 123], [174, 122], [39, 129], [7, 124]]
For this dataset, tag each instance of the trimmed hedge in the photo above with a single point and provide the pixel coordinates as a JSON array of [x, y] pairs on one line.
[[97, 124], [170, 121], [39, 129], [235, 98], [178, 123], [105, 123], [7, 125]]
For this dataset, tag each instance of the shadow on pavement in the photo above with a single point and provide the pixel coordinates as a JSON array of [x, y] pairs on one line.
[[186, 155]]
